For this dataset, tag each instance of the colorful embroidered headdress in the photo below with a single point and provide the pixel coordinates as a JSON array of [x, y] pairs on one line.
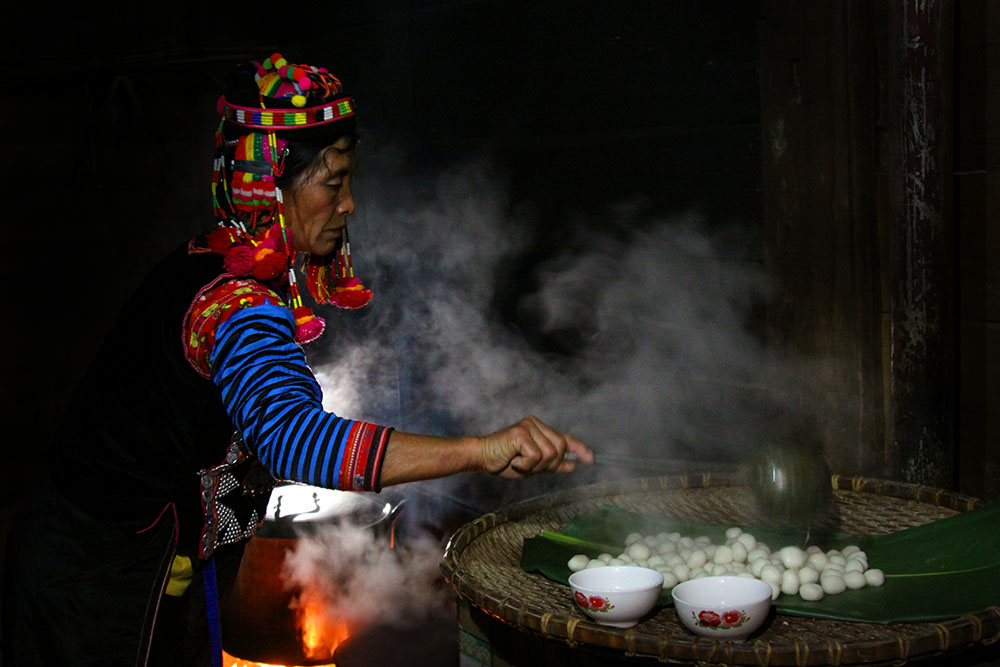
[[266, 107]]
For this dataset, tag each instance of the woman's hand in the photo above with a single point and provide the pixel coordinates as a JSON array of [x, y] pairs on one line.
[[529, 447], [526, 448]]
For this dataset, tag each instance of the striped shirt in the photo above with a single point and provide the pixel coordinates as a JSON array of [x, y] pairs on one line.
[[274, 400]]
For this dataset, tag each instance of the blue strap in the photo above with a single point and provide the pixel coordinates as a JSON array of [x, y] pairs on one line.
[[212, 610]]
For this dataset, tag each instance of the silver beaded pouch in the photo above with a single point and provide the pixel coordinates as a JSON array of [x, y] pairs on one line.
[[234, 497]]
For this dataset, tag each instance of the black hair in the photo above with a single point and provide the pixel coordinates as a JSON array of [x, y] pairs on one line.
[[305, 153]]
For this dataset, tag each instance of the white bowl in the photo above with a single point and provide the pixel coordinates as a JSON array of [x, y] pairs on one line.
[[618, 596], [722, 607]]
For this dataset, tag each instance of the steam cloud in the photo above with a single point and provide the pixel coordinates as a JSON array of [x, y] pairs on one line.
[[354, 576], [664, 362]]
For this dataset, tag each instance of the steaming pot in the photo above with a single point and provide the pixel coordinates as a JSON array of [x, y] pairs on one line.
[[257, 623]]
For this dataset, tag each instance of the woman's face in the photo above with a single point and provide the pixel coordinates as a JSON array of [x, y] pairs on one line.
[[316, 207]]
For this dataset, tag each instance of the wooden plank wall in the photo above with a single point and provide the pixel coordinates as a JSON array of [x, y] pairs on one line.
[[819, 97], [883, 247]]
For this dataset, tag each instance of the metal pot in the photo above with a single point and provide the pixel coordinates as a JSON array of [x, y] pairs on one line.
[[257, 623]]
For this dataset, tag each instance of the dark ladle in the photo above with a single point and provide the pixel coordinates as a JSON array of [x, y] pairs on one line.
[[791, 483]]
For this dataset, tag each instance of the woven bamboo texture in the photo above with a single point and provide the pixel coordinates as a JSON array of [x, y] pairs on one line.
[[482, 563]]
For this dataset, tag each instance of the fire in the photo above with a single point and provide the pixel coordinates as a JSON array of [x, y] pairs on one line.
[[232, 661], [319, 638]]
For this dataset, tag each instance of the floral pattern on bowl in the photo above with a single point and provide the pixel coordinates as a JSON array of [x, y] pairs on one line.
[[716, 621], [594, 602]]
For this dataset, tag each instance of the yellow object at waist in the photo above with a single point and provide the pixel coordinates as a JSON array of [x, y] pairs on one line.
[[181, 573]]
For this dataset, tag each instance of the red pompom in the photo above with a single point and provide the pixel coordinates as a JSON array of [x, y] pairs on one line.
[[239, 261], [352, 298], [270, 266], [308, 327], [219, 240], [309, 331]]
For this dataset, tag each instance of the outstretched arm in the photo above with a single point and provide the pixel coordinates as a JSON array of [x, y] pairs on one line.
[[528, 447]]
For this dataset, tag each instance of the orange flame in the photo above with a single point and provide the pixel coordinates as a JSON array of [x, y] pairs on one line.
[[232, 661], [319, 637]]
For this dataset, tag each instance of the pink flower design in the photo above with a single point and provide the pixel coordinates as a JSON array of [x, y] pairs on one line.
[[709, 618], [731, 618], [593, 603]]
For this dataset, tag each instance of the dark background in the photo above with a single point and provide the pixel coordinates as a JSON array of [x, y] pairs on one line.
[[109, 112]]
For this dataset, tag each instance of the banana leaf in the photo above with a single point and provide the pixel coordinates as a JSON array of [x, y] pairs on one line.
[[936, 571]]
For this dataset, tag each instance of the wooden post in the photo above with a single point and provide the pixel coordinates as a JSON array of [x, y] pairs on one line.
[[921, 262]]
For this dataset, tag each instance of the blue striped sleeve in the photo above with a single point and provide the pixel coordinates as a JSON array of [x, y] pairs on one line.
[[274, 400]]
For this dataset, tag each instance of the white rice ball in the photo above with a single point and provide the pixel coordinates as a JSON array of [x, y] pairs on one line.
[[855, 565], [638, 551], [770, 574], [578, 562], [723, 555], [811, 591], [874, 577], [666, 547], [818, 561], [854, 580], [697, 558], [792, 557], [807, 575], [833, 584], [790, 582], [748, 541]]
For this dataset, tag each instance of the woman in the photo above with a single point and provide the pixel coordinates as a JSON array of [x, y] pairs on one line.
[[201, 397]]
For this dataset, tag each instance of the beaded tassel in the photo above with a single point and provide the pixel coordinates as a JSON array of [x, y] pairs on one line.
[[308, 327], [348, 292]]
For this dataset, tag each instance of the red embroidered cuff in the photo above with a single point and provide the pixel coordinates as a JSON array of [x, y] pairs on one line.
[[361, 466]]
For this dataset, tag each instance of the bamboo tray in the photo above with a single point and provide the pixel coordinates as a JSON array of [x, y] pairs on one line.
[[482, 562]]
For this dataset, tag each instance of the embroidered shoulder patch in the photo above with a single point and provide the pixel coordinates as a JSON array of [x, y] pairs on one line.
[[213, 305]]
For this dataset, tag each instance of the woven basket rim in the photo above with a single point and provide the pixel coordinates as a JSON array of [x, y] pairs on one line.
[[910, 641]]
